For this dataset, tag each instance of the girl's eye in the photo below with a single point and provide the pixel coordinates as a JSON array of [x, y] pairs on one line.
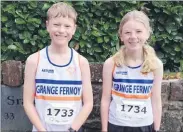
[[67, 26], [127, 32], [139, 31]]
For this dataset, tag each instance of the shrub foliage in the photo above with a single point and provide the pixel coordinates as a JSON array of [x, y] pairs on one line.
[[24, 31]]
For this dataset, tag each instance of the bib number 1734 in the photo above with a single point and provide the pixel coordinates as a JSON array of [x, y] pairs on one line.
[[135, 109]]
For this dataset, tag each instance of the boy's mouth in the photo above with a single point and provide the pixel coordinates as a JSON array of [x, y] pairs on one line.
[[60, 36]]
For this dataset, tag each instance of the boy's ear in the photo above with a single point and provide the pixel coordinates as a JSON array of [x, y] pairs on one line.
[[74, 29], [47, 24]]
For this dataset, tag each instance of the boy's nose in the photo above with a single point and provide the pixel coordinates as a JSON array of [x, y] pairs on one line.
[[61, 29]]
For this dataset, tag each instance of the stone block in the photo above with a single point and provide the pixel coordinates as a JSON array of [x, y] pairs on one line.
[[13, 117], [181, 129], [175, 105], [165, 91], [97, 93], [176, 90], [95, 114], [96, 72], [165, 87], [93, 121], [171, 121], [93, 124], [12, 73], [164, 98], [91, 130]]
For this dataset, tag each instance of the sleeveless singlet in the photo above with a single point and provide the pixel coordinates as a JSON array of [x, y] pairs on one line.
[[131, 97], [58, 92]]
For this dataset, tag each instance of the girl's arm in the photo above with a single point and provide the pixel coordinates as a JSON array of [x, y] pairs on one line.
[[106, 92], [29, 91], [156, 96], [87, 95]]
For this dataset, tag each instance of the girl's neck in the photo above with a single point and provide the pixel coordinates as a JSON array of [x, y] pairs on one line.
[[133, 58]]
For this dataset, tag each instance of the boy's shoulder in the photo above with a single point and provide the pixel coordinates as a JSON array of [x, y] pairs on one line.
[[82, 60], [33, 59]]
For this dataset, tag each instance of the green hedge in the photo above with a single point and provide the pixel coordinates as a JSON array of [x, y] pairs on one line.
[[23, 29]]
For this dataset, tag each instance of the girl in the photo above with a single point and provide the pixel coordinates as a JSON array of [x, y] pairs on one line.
[[132, 77]]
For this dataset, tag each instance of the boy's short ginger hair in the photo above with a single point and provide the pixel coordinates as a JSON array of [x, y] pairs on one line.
[[61, 9]]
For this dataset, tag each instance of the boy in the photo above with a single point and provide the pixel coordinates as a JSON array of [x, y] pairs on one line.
[[58, 78]]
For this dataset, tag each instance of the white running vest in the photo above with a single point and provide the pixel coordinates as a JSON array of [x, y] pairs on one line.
[[58, 92], [131, 97]]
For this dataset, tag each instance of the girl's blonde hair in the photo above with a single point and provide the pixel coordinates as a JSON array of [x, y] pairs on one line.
[[150, 58], [61, 9]]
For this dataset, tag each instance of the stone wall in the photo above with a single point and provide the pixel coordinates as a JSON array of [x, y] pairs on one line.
[[14, 118]]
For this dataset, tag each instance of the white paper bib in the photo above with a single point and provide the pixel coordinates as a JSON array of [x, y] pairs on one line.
[[128, 109], [57, 113]]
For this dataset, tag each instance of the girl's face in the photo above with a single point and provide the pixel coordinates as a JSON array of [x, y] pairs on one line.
[[134, 35]]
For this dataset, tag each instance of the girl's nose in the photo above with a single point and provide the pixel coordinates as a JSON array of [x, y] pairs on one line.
[[133, 35]]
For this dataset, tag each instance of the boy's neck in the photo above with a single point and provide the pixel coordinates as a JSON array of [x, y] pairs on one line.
[[59, 49]]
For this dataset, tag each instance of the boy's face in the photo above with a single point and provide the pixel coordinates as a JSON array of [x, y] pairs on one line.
[[134, 35], [61, 30]]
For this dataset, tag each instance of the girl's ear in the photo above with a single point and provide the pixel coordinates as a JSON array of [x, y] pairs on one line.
[[120, 35], [147, 35], [121, 38]]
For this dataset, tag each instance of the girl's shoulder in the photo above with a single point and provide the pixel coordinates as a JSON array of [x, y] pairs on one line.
[[158, 62], [159, 66]]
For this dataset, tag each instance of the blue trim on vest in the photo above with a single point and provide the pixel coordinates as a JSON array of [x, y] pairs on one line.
[[48, 81], [59, 65], [134, 67], [133, 81]]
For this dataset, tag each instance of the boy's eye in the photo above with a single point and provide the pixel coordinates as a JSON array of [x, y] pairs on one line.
[[57, 24], [139, 31]]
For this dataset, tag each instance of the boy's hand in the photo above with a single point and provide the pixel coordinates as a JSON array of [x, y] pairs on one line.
[[71, 130]]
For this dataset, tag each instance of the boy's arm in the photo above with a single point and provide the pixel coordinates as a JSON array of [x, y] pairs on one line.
[[106, 92], [87, 95], [156, 96], [29, 91]]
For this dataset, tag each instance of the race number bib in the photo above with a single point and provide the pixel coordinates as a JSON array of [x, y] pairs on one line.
[[59, 113], [131, 109]]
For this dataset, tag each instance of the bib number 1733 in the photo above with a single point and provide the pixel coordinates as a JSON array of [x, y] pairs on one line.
[[59, 115], [62, 112]]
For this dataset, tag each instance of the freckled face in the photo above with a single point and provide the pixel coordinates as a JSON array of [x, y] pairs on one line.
[[134, 35], [61, 30]]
